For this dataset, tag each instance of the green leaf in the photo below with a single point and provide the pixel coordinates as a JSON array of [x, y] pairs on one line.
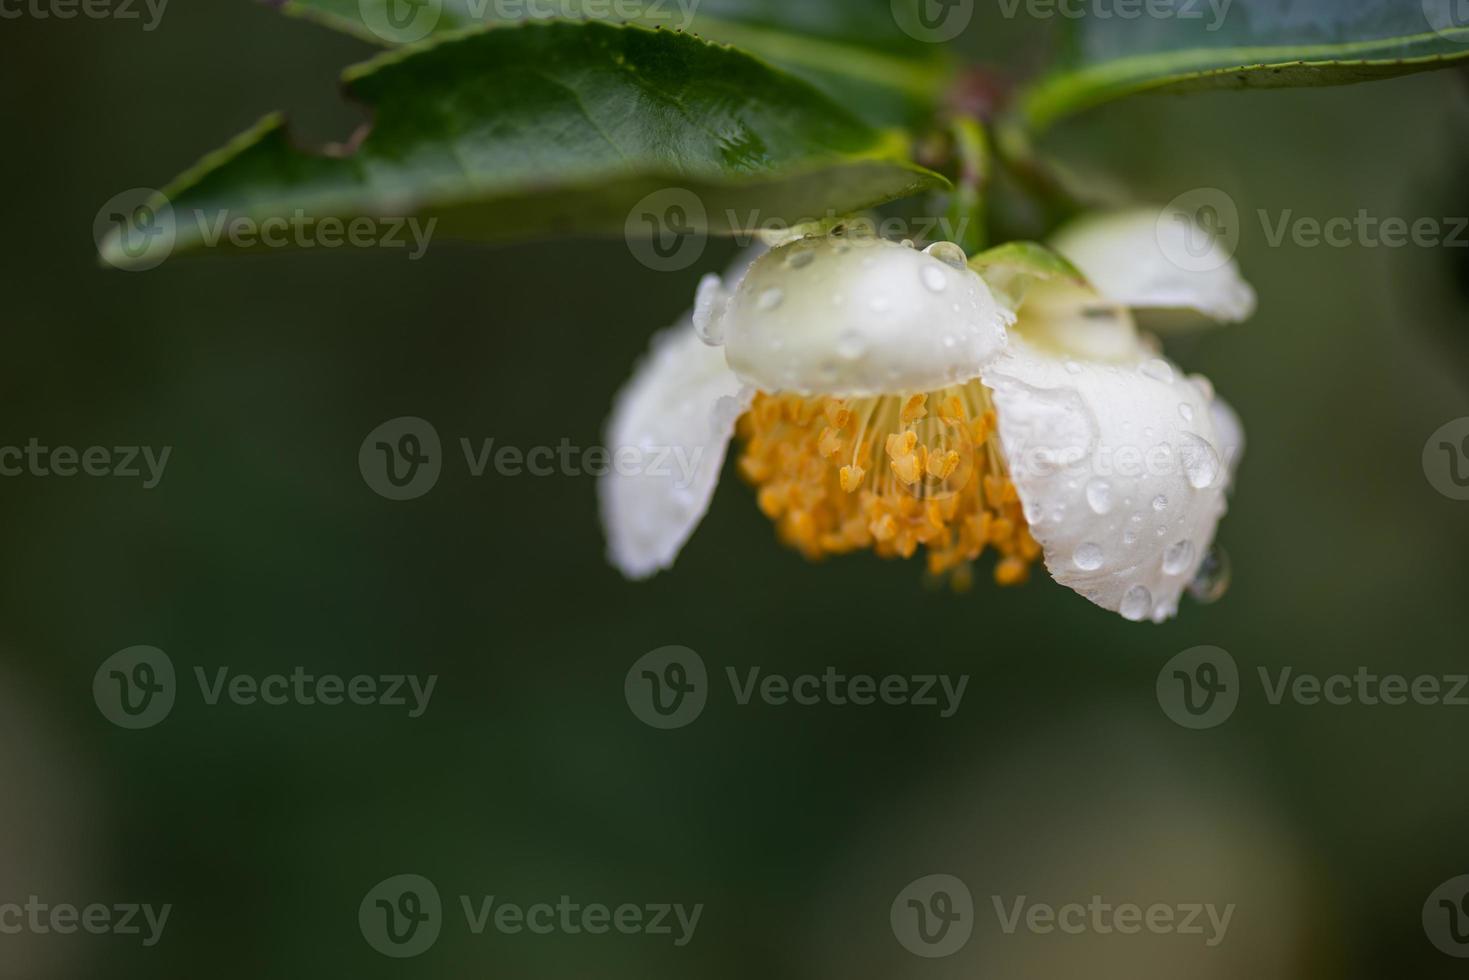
[[552, 128], [852, 49], [1245, 44]]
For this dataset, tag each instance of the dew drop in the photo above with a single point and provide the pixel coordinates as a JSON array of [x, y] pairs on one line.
[[1200, 461], [1099, 496], [1159, 370], [1212, 582], [934, 278], [1088, 557], [1205, 386], [851, 345], [770, 299], [948, 253], [801, 259], [1073, 368], [1186, 411], [909, 243], [1137, 603], [1178, 557]]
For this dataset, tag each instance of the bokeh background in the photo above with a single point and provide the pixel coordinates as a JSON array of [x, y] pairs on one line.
[[529, 777]]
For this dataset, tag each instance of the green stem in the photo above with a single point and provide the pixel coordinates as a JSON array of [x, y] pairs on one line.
[[968, 214]]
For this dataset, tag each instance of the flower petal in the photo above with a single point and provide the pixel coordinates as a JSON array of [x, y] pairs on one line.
[[1157, 260], [669, 432], [1121, 466], [859, 317]]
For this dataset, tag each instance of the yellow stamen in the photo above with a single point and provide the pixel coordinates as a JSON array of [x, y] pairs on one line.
[[945, 487]]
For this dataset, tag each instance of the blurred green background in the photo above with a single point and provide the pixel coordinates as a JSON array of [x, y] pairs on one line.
[[529, 777]]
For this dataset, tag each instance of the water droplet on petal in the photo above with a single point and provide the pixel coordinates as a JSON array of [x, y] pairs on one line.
[[934, 278], [1088, 557], [909, 243], [1214, 576], [948, 253], [851, 345], [1137, 603], [801, 259], [1073, 368], [770, 299], [1159, 370], [1099, 496], [1205, 386], [1178, 557], [1160, 503], [1200, 461], [1186, 411]]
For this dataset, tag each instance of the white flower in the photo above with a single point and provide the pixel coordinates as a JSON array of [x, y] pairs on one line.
[[892, 400]]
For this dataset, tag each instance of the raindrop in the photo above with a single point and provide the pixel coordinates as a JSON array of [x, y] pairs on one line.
[[948, 253], [1178, 558], [1186, 411], [801, 259], [1212, 582], [770, 299], [851, 345], [1099, 496], [1200, 461], [934, 278], [1088, 557], [909, 243], [1159, 370], [1137, 603]]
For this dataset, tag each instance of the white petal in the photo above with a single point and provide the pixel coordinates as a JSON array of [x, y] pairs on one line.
[[671, 425], [857, 317], [1121, 467], [1156, 260]]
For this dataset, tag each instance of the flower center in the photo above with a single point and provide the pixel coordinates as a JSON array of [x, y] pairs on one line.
[[889, 473]]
